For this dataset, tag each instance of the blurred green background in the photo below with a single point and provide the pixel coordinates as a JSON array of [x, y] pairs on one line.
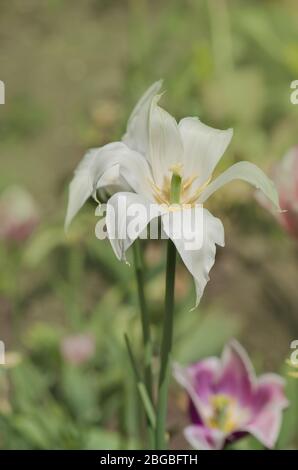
[[73, 71]]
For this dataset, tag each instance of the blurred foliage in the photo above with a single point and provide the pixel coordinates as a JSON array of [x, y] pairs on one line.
[[229, 62], [24, 119], [47, 402]]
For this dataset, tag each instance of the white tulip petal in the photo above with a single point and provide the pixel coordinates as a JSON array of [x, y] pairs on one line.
[[203, 148], [137, 132], [127, 216], [248, 172], [87, 175], [166, 147], [110, 183], [135, 170], [93, 173], [80, 189], [110, 178], [198, 262]]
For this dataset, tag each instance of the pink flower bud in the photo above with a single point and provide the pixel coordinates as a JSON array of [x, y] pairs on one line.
[[78, 349], [18, 214]]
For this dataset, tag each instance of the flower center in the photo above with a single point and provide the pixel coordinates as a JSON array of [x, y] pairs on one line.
[[224, 411], [176, 181], [178, 190]]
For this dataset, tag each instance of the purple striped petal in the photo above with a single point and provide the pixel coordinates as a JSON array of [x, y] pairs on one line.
[[237, 376], [203, 376], [269, 392], [198, 380], [194, 414]]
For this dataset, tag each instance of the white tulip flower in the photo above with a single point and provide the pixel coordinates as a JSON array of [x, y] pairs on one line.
[[157, 156]]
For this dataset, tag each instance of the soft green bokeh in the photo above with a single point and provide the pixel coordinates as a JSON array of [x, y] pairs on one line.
[[73, 71]]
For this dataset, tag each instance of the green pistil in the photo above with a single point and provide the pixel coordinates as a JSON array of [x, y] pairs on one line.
[[175, 188]]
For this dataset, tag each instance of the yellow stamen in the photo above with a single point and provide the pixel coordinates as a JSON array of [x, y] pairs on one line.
[[162, 194], [189, 182], [223, 413], [198, 192]]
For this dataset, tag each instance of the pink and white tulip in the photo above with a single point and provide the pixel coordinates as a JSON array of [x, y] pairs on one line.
[[227, 400]]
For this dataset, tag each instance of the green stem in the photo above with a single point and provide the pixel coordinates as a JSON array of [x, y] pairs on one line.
[[146, 401], [146, 331], [167, 338], [166, 348], [144, 315]]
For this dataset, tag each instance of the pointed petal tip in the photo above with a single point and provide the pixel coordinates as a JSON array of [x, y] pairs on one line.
[[156, 99], [192, 309], [248, 172], [234, 347], [67, 222], [198, 300], [234, 344], [156, 86]]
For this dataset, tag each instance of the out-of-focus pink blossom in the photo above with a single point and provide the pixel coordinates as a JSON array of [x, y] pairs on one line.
[[227, 400], [78, 349], [19, 214], [285, 176]]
